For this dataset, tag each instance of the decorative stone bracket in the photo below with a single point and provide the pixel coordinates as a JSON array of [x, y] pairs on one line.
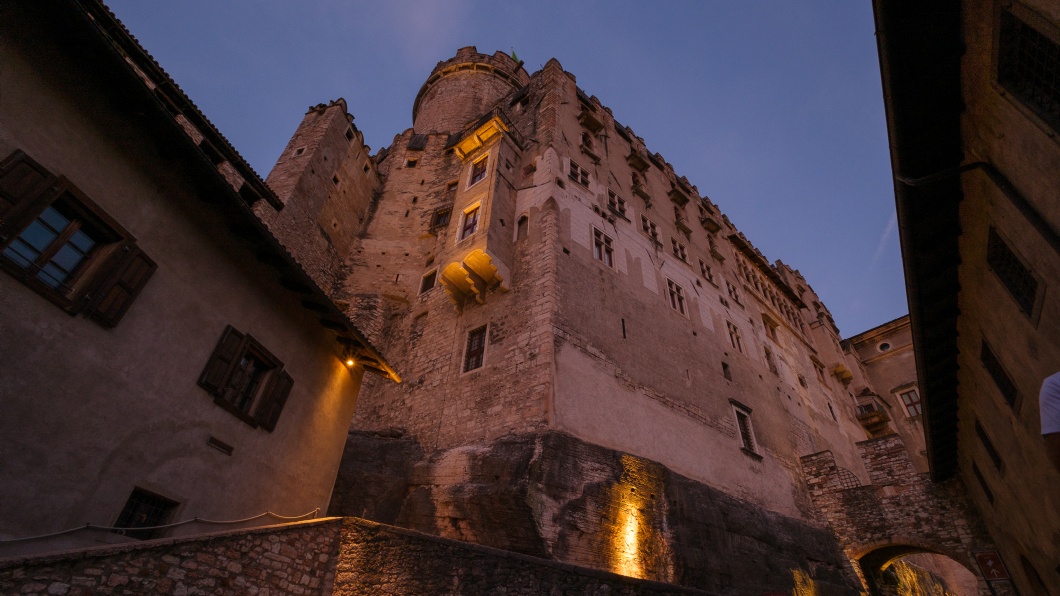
[[471, 278]]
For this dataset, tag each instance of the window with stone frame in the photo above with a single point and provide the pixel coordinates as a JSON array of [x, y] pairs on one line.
[[440, 218], [478, 171], [578, 174], [246, 379], [771, 327], [428, 281], [143, 512], [1028, 64], [60, 244], [734, 336], [603, 248], [475, 351], [648, 227], [911, 401], [706, 272], [469, 225], [771, 362], [743, 426], [734, 292], [1010, 269], [679, 250], [677, 296], [615, 203]]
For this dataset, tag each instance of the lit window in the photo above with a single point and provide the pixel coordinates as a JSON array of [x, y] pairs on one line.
[[476, 348], [478, 171], [734, 336], [911, 401], [144, 510], [428, 281], [246, 379], [706, 271], [603, 250], [677, 296], [578, 174], [743, 425], [649, 228], [470, 222], [616, 203], [679, 250], [63, 246]]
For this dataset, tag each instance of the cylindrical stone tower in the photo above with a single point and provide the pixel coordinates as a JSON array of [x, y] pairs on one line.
[[463, 87]]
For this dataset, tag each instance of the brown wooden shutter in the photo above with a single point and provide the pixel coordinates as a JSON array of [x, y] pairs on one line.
[[22, 181], [221, 361], [124, 275], [274, 398]]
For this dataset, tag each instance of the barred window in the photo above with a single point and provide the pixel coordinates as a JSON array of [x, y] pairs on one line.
[[1014, 275], [988, 445], [743, 425], [982, 483], [476, 348], [1028, 66], [998, 374]]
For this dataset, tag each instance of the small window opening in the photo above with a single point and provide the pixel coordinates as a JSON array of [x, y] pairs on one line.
[[428, 281], [522, 227], [142, 513], [726, 371], [299, 151], [476, 348]]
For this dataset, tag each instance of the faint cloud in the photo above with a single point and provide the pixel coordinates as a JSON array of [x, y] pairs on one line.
[[888, 231]]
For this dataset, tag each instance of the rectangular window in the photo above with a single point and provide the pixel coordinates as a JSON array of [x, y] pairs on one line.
[[819, 369], [911, 401], [63, 246], [476, 348], [677, 296], [649, 228], [1028, 66], [997, 372], [743, 425], [143, 513], [771, 327], [734, 336], [616, 203], [725, 372], [982, 483], [441, 217], [1014, 275], [470, 222], [988, 445], [246, 379], [428, 281], [411, 163], [734, 293], [706, 271], [679, 250], [478, 171], [578, 174], [603, 249]]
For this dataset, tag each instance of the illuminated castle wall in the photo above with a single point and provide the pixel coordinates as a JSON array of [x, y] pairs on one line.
[[598, 366]]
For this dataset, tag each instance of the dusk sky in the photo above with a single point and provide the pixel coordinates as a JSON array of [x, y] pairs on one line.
[[773, 109]]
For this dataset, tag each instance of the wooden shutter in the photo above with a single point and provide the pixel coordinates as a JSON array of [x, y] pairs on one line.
[[274, 398], [125, 274], [221, 361], [22, 181]]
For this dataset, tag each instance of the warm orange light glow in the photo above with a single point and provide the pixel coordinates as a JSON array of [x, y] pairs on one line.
[[627, 560], [350, 362], [638, 547]]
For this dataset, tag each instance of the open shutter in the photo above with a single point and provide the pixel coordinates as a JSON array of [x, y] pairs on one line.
[[22, 181], [220, 364], [128, 273], [273, 399]]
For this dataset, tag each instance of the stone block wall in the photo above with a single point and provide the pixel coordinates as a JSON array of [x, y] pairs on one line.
[[296, 558]]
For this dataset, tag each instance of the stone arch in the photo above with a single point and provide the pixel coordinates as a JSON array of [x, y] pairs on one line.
[[873, 563]]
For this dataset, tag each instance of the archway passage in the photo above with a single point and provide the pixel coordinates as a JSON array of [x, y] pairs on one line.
[[904, 570]]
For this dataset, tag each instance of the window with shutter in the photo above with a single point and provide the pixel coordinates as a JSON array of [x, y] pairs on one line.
[[246, 379], [60, 244]]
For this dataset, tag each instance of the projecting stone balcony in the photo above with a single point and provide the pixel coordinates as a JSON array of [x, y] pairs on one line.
[[873, 417], [709, 223], [471, 278]]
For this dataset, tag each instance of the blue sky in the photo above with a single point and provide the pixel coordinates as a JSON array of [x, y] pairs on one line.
[[773, 109]]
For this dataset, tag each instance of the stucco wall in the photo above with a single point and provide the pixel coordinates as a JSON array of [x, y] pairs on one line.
[[89, 413]]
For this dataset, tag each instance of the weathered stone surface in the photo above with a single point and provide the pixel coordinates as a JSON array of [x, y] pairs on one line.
[[555, 496]]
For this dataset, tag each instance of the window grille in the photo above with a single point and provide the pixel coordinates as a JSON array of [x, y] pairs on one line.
[[997, 372], [1014, 275], [982, 484], [995, 457], [1028, 66]]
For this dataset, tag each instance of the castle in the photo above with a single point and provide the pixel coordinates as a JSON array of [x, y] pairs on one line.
[[586, 363]]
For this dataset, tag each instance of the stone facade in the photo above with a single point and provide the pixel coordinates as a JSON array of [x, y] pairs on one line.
[[976, 186]]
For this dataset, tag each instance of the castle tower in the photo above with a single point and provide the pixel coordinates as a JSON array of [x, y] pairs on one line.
[[465, 87], [583, 336]]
